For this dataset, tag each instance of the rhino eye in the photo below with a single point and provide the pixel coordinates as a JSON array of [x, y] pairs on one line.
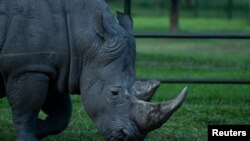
[[114, 93]]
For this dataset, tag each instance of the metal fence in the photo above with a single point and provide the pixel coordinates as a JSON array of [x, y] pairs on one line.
[[127, 10]]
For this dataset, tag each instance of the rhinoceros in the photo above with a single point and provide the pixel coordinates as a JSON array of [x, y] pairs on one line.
[[50, 49]]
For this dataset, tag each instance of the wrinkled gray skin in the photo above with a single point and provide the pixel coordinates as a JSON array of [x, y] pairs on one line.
[[49, 49]]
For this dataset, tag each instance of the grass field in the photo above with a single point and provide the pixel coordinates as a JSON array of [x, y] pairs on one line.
[[206, 104]]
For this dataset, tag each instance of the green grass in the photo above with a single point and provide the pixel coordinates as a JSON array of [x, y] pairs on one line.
[[205, 104], [193, 58]]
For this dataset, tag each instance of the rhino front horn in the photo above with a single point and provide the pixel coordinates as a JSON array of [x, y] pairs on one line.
[[150, 116]]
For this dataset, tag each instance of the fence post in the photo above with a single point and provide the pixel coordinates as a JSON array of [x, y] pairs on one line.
[[127, 7], [174, 15]]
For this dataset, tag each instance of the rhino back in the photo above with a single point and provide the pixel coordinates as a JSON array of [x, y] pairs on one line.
[[35, 26]]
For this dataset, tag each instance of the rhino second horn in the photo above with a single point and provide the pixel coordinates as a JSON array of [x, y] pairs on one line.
[[151, 116], [145, 90]]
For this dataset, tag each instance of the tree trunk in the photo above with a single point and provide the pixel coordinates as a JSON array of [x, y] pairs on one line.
[[174, 16]]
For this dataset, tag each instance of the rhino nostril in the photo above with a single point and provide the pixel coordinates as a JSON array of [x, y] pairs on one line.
[[115, 93], [125, 132]]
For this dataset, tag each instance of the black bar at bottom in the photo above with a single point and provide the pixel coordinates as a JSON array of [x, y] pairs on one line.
[[202, 81]]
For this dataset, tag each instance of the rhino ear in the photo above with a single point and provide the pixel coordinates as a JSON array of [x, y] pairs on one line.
[[98, 23], [125, 21], [104, 24]]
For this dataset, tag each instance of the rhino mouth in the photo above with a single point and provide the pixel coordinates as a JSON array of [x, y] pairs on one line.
[[129, 132], [126, 135]]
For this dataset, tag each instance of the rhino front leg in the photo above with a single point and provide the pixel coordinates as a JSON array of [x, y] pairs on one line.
[[26, 94], [57, 106]]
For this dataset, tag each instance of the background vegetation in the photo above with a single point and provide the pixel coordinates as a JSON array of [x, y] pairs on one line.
[[188, 8], [206, 104]]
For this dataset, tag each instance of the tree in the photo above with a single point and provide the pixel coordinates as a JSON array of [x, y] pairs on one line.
[[174, 16]]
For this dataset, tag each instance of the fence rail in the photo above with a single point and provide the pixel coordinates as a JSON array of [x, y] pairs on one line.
[[201, 81], [195, 36]]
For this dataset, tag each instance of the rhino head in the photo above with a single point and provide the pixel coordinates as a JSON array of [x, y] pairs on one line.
[[117, 103]]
